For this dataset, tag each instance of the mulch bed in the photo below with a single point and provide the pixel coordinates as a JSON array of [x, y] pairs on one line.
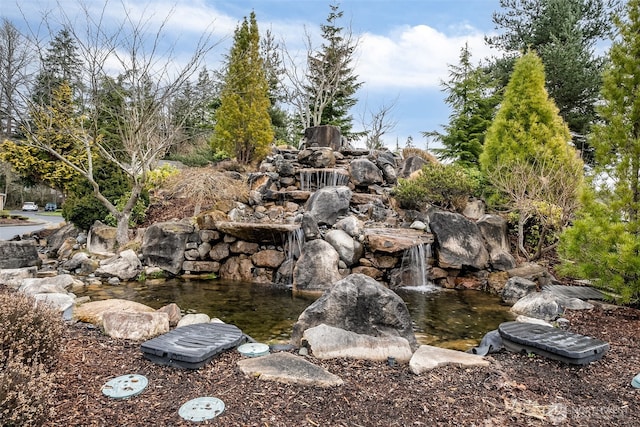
[[515, 390]]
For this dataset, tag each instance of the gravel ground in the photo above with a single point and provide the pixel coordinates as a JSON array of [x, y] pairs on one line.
[[515, 390]]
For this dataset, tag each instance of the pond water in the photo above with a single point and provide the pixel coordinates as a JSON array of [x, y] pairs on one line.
[[446, 318]]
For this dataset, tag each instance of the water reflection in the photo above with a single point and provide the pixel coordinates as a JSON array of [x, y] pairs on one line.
[[452, 319]]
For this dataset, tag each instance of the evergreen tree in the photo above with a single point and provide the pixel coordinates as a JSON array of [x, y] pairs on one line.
[[473, 100], [603, 244], [527, 155], [243, 125], [332, 83], [61, 63], [60, 125], [564, 34]]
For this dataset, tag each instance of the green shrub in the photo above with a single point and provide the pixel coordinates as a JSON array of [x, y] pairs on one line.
[[446, 186], [30, 332], [138, 214]]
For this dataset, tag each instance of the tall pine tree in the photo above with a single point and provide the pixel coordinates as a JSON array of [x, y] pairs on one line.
[[603, 244], [332, 82], [473, 100], [243, 125]]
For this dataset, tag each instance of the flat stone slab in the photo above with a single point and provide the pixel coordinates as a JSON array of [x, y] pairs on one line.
[[328, 342], [257, 232], [391, 240], [192, 346], [580, 292], [288, 369], [428, 357], [551, 342]]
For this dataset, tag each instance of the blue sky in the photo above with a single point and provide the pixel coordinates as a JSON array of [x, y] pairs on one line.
[[404, 50]]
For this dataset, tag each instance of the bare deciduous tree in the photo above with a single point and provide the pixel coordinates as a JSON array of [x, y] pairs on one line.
[[16, 58], [377, 124], [133, 63]]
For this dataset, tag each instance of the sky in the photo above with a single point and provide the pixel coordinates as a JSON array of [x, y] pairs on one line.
[[404, 51]]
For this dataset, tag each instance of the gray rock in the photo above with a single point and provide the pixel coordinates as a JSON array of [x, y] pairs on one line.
[[18, 254], [317, 268], [322, 157], [13, 277], [364, 172], [541, 305], [459, 242], [192, 319], [350, 225], [516, 288], [55, 239], [323, 136], [63, 302], [410, 165], [348, 249], [329, 203], [358, 304], [125, 266], [54, 285], [288, 369], [102, 239], [495, 233], [163, 245]]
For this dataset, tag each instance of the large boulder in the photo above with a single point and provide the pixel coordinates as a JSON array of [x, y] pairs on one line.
[[459, 242], [494, 231], [516, 288], [135, 326], [358, 304], [329, 203], [317, 268], [323, 136], [125, 266], [350, 250], [13, 277], [93, 312], [163, 245], [58, 237], [19, 254], [317, 157], [364, 172], [59, 284], [102, 239], [410, 165]]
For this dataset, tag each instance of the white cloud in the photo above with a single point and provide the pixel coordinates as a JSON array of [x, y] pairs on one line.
[[414, 57]]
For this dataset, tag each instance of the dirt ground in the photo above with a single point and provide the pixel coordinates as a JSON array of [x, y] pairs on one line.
[[515, 390]]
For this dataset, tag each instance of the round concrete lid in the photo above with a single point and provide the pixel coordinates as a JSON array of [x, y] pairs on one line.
[[253, 349], [125, 386], [201, 408], [635, 382]]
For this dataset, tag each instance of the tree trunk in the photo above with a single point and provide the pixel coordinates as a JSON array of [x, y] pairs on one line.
[[122, 229], [521, 221]]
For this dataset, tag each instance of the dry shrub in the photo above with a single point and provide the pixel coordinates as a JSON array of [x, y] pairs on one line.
[[29, 332], [418, 152], [25, 393], [208, 187], [30, 342]]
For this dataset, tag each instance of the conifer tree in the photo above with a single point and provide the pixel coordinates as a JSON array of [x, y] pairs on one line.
[[243, 126], [603, 244], [527, 155], [564, 33], [473, 100]]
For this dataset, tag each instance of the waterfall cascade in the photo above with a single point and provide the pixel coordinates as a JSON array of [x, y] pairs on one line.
[[314, 179], [415, 266]]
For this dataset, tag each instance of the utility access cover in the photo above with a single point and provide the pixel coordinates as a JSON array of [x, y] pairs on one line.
[[125, 386], [201, 408]]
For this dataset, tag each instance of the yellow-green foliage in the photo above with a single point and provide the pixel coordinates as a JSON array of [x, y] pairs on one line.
[[243, 125], [158, 176], [58, 127], [418, 152]]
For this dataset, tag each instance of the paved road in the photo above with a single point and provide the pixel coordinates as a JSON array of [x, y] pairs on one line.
[[43, 221]]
